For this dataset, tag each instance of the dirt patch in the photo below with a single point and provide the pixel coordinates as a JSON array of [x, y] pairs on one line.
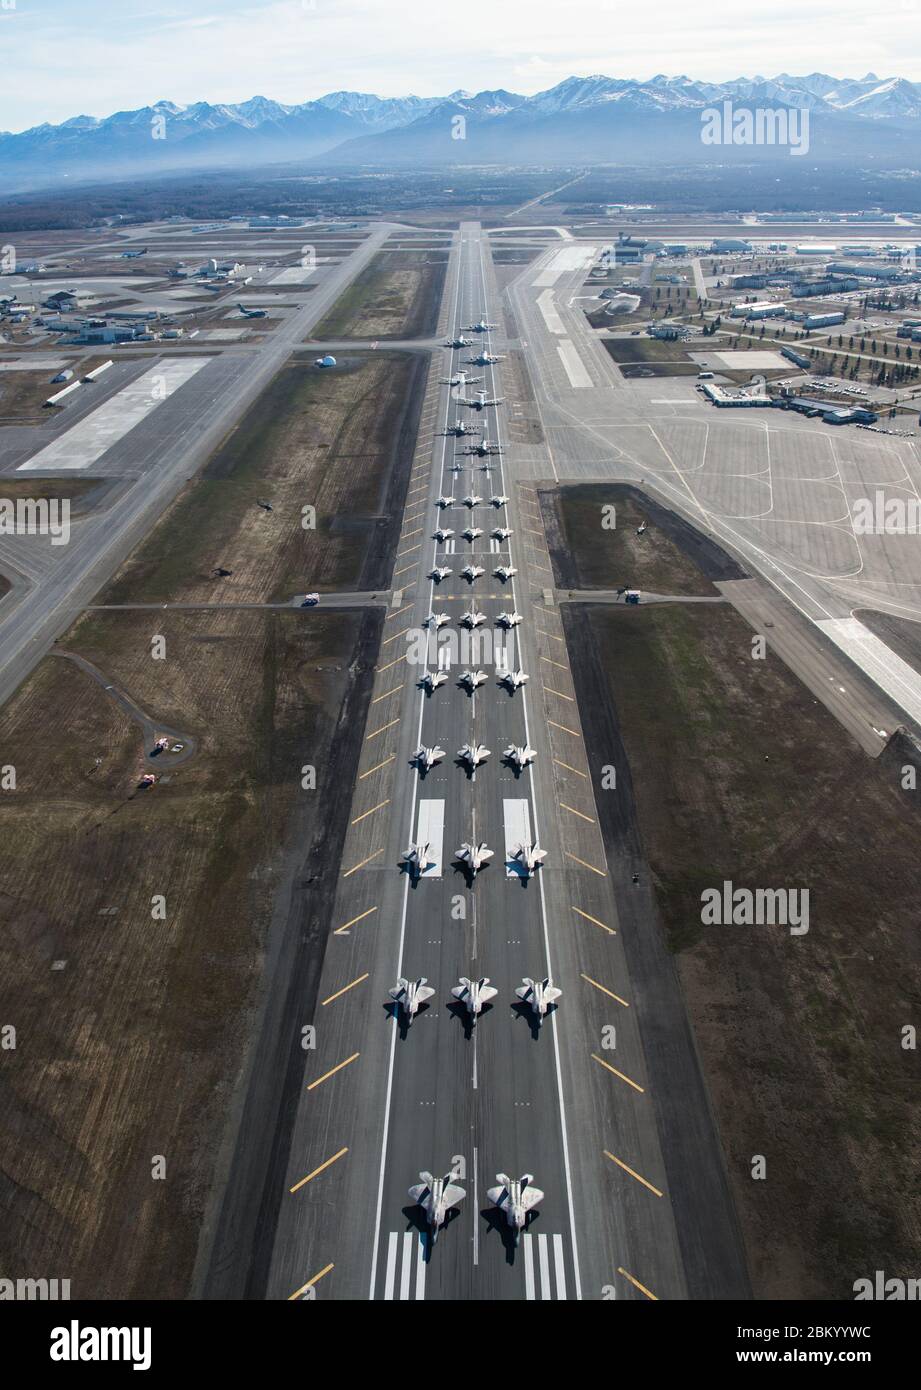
[[670, 557], [132, 1047], [739, 774], [340, 442], [397, 295]]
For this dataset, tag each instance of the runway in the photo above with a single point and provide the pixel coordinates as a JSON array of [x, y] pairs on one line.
[[570, 1103]]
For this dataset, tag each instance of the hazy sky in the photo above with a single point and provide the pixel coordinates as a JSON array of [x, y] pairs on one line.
[[61, 58]]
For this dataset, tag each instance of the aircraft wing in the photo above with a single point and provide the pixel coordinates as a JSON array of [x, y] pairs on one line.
[[488, 992], [551, 994], [453, 1194], [424, 992], [530, 1196], [420, 1191]]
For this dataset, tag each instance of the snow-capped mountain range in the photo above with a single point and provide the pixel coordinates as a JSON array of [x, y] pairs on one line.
[[582, 119]]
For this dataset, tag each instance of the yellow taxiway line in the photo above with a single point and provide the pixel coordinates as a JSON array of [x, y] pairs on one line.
[[345, 988], [637, 1285], [371, 812], [589, 918], [609, 992], [316, 1172], [316, 1279], [620, 1074], [332, 1072], [348, 873], [351, 922], [620, 1163], [576, 860]]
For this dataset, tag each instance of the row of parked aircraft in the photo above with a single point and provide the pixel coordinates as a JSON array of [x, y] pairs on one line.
[[539, 995], [474, 857], [516, 755], [516, 1198]]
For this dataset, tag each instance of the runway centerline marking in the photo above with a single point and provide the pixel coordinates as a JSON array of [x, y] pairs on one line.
[[609, 992], [317, 1171], [345, 988], [603, 1063], [637, 1285], [332, 1071], [348, 873], [316, 1279], [589, 918], [627, 1169]]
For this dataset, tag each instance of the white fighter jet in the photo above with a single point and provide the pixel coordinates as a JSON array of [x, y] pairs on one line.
[[540, 994], [500, 499], [457, 466], [479, 327], [482, 447], [442, 534], [458, 342], [474, 856], [472, 533], [408, 995], [485, 359], [445, 502], [520, 757], [515, 1198], [471, 679], [509, 619], [462, 427], [473, 994], [417, 859], [433, 679], [530, 857], [472, 572], [472, 500], [473, 754], [513, 679], [437, 620], [501, 533], [473, 618], [426, 758], [439, 573], [436, 1196], [505, 572]]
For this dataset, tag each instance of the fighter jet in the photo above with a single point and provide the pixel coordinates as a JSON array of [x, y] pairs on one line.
[[437, 620], [540, 994], [472, 533], [473, 618], [474, 856], [439, 573], [515, 1197], [458, 342], [408, 995], [472, 572], [530, 857], [426, 758], [443, 502], [471, 679], [462, 427], [473, 754], [436, 1196], [473, 994], [457, 466], [500, 499], [480, 327], [641, 529], [473, 499], [513, 678], [480, 401], [485, 359], [505, 572], [417, 859], [501, 533], [520, 757], [509, 619], [442, 534], [432, 680]]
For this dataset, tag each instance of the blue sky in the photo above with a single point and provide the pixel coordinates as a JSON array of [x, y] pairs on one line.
[[62, 58]]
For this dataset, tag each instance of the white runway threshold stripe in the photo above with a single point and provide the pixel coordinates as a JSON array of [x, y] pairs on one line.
[[894, 676], [546, 303], [89, 438], [431, 832], [402, 1250], [517, 830], [575, 368], [551, 1278]]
